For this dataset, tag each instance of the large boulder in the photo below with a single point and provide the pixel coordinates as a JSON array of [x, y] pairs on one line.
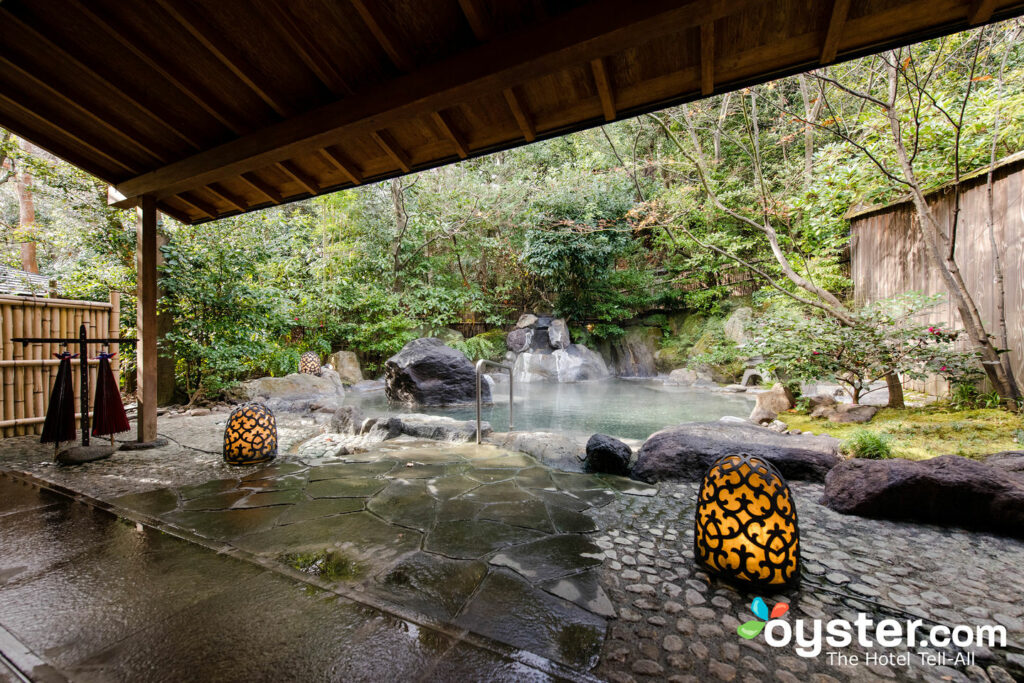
[[632, 354], [685, 452], [558, 334], [949, 490], [575, 363], [296, 392], [426, 372], [770, 403], [346, 364], [735, 327], [347, 420], [682, 377], [526, 320], [518, 340], [434, 427], [844, 412], [607, 455], [555, 450]]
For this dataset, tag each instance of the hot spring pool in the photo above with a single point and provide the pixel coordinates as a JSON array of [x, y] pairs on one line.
[[632, 409]]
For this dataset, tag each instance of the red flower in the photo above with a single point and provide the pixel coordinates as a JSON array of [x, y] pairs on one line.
[[942, 369], [815, 353]]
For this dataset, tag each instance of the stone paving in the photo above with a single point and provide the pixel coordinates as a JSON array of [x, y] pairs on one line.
[[595, 573]]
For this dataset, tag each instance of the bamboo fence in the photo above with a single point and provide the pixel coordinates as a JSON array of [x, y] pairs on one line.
[[27, 372]]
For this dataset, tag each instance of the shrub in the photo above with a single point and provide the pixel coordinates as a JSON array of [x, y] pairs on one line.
[[864, 443], [489, 345]]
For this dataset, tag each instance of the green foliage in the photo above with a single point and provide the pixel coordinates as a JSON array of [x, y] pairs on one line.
[[967, 396], [488, 345], [885, 336], [863, 443]]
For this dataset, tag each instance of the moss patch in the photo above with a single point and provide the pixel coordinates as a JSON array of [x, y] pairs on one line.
[[329, 565], [922, 433]]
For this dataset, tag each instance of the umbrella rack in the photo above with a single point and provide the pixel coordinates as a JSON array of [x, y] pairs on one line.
[[83, 341]]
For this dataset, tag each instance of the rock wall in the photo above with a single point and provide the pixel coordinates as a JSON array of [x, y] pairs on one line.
[[575, 363]]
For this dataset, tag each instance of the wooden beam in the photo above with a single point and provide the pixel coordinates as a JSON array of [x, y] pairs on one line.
[[198, 204], [980, 11], [442, 122], [383, 32], [265, 189], [576, 36], [840, 8], [604, 88], [218, 190], [71, 103], [65, 133], [299, 176], [176, 214], [707, 58], [58, 53], [343, 164], [131, 42], [388, 144], [299, 42], [525, 125], [146, 361], [475, 14], [221, 49]]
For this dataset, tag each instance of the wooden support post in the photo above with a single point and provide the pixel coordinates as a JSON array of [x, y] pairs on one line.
[[145, 260]]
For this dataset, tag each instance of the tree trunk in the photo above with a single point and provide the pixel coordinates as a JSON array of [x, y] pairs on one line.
[[26, 216], [892, 381], [401, 225]]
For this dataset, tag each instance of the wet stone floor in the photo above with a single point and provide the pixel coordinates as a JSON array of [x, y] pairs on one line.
[[482, 538]]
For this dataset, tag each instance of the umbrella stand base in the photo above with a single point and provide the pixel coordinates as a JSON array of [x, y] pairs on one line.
[[143, 445], [76, 455]]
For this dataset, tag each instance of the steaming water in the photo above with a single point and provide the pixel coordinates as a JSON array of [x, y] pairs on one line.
[[632, 409]]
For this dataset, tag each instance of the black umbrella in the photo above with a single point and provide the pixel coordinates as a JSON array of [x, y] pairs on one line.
[[60, 415]]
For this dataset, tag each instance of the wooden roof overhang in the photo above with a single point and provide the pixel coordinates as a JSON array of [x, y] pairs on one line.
[[218, 108]]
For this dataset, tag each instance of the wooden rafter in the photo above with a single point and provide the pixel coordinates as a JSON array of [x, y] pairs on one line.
[[218, 190], [60, 53], [264, 188], [837, 19], [980, 11], [198, 204], [388, 144], [299, 176], [234, 62], [446, 127], [707, 58], [604, 88], [522, 118], [307, 51], [73, 104], [343, 164], [66, 134], [383, 33], [475, 14], [130, 42]]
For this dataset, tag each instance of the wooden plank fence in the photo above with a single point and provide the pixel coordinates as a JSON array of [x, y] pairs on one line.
[[889, 257], [27, 372]]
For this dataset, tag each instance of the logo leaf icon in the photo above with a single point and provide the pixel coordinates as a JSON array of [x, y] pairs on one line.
[[760, 609], [750, 629], [779, 609]]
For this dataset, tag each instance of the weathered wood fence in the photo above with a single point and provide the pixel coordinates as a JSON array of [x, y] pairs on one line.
[[28, 372], [889, 258]]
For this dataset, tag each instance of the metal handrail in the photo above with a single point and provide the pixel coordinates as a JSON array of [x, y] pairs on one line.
[[480, 365]]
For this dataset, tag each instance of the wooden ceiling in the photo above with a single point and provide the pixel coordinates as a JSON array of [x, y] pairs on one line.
[[217, 108]]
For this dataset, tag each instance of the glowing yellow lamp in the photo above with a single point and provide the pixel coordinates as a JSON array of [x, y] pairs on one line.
[[309, 363], [745, 528], [250, 436]]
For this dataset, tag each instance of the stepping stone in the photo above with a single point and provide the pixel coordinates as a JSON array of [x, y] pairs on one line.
[[405, 503], [487, 476], [345, 488], [531, 514], [569, 521], [510, 610], [535, 478], [585, 590], [224, 525], [215, 501], [289, 481], [455, 510], [550, 557], [214, 486], [322, 507], [450, 486], [432, 585], [276, 470], [629, 486], [352, 469], [501, 492], [266, 498], [564, 499], [471, 539], [76, 455], [153, 503]]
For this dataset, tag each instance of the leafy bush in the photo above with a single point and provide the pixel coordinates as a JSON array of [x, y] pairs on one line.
[[489, 345], [967, 396], [864, 443]]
